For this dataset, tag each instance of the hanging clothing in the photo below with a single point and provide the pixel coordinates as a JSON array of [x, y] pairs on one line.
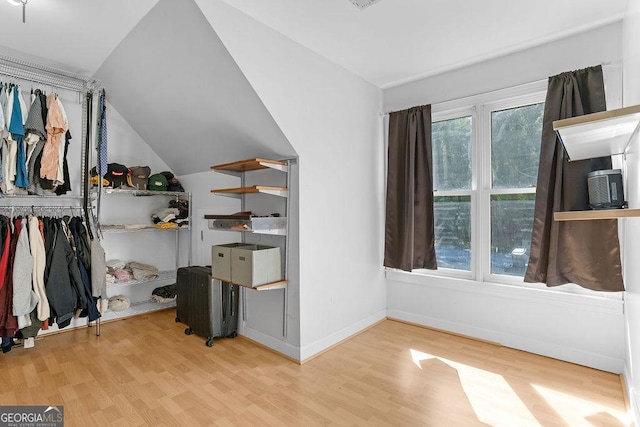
[[56, 127], [8, 105], [16, 128], [65, 186], [36, 243], [35, 132], [60, 292], [83, 258], [5, 236], [35, 123], [75, 277], [24, 299], [33, 168], [22, 105], [2, 97], [62, 146], [98, 270], [8, 322], [2, 126]]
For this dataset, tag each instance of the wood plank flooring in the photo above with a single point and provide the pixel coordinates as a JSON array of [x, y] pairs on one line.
[[146, 371]]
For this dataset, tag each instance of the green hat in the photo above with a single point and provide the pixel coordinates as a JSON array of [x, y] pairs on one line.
[[157, 182]]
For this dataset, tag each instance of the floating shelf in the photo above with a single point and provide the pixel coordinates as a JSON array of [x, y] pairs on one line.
[[265, 189], [123, 228], [257, 225], [251, 165], [599, 134], [596, 214], [134, 192]]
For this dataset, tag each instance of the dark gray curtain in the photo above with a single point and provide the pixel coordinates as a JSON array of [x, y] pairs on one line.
[[583, 252], [409, 230]]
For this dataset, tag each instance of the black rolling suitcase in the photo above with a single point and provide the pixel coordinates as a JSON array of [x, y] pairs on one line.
[[208, 307]]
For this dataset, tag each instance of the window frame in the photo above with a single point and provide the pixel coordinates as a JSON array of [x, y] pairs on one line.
[[479, 108], [486, 191], [437, 116]]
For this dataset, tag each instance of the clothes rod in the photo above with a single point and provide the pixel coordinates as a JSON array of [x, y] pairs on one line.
[[38, 207], [49, 76]]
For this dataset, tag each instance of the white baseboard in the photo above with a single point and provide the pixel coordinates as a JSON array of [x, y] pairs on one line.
[[632, 396], [273, 343], [568, 354], [317, 347]]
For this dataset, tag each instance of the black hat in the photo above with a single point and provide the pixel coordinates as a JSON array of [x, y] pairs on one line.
[[117, 175], [172, 182]]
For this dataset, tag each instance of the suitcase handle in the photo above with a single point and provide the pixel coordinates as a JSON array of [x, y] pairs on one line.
[[233, 296]]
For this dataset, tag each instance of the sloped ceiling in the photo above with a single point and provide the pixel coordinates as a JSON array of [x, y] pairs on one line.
[[178, 87]]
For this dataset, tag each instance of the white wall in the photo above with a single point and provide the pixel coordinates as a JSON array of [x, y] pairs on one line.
[[585, 329], [631, 87], [331, 118], [599, 46]]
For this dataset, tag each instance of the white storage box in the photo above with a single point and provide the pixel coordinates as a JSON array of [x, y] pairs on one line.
[[255, 265], [221, 260]]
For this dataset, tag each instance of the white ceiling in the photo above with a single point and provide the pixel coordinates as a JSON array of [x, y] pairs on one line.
[[75, 35], [395, 41], [390, 42]]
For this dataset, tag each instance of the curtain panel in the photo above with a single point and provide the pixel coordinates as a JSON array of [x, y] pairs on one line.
[[586, 253], [409, 227]]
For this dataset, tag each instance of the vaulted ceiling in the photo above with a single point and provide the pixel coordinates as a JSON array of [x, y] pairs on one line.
[[173, 80]]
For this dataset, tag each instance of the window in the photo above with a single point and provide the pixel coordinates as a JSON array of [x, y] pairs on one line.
[[452, 143], [515, 154], [485, 166]]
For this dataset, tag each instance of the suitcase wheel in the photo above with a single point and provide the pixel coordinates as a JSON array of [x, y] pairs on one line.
[[232, 335], [209, 342], [177, 320], [188, 331]]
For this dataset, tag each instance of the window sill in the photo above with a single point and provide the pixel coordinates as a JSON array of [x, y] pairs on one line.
[[568, 296]]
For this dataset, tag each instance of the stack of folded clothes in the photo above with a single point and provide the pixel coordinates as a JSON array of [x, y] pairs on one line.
[[174, 216], [164, 294], [118, 271]]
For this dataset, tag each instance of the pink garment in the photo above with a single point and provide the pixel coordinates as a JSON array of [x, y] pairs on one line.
[[56, 128], [122, 275]]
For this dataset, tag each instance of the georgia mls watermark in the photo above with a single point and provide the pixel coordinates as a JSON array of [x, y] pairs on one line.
[[31, 416]]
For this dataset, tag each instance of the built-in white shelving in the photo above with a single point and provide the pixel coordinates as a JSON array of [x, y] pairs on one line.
[[599, 134]]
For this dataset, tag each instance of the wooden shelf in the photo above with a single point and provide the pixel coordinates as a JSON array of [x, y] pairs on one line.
[[251, 165], [280, 284], [599, 134], [596, 214], [265, 189]]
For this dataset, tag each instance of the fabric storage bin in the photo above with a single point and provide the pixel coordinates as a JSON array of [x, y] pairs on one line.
[[221, 260], [255, 265]]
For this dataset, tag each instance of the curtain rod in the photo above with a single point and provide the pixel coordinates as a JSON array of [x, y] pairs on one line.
[[607, 64]]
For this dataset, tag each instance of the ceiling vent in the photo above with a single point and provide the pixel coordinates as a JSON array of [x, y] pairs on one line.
[[361, 4]]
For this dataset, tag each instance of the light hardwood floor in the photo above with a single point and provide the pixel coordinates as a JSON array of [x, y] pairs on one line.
[[146, 371]]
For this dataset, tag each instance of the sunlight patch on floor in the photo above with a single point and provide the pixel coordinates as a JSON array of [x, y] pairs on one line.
[[496, 403], [576, 410]]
